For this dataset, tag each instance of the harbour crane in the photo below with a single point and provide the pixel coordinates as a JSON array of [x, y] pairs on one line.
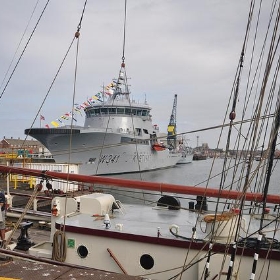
[[171, 129]]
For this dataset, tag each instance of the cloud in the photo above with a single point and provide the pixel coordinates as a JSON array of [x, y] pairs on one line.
[[190, 48]]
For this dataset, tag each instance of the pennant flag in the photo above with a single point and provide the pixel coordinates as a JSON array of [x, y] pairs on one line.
[[55, 124], [78, 110], [80, 107], [60, 121], [86, 104], [109, 91], [47, 126], [90, 101]]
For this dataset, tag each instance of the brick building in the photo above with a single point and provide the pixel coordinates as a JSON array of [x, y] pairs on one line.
[[21, 146]]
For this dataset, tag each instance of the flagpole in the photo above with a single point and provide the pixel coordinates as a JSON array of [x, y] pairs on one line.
[[42, 118]]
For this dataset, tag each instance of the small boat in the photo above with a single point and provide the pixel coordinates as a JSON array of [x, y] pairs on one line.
[[159, 147], [186, 151], [199, 156]]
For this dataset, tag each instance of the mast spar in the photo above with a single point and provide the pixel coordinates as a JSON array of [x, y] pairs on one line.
[[142, 185]]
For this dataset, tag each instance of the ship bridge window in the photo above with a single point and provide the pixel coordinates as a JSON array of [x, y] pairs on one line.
[[96, 111], [104, 111], [145, 131], [130, 111], [145, 113], [139, 112], [112, 111], [138, 131], [127, 111], [120, 110]]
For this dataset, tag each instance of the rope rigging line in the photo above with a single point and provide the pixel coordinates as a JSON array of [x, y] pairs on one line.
[[60, 252], [62, 152], [59, 239], [77, 36], [253, 141], [50, 87], [267, 124], [272, 144], [20, 41], [24, 49], [124, 29], [82, 16], [232, 116], [56, 75], [122, 67], [59, 246], [236, 93], [122, 70]]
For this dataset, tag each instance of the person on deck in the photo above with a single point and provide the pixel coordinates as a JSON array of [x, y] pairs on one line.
[[2, 221]]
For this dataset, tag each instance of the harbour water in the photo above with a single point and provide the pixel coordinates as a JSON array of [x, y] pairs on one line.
[[195, 173]]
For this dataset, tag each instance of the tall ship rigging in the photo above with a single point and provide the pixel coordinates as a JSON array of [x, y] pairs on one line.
[[232, 231]]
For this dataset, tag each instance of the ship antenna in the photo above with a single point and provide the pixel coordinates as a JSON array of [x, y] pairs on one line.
[[124, 28]]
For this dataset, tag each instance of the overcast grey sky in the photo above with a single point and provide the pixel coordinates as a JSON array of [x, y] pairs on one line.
[[183, 47]]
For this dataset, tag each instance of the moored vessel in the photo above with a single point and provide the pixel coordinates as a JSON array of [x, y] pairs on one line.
[[118, 137]]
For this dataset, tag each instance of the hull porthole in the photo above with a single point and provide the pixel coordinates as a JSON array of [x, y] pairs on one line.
[[82, 251], [147, 262]]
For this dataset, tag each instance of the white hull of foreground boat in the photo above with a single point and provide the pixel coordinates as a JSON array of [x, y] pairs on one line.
[[166, 261], [136, 240]]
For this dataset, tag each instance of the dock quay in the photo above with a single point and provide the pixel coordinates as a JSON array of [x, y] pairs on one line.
[[18, 264], [18, 268]]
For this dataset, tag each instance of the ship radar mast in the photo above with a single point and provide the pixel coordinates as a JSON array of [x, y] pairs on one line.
[[121, 87], [171, 129]]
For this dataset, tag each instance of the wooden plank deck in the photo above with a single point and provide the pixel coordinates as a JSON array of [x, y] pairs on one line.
[[26, 270]]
